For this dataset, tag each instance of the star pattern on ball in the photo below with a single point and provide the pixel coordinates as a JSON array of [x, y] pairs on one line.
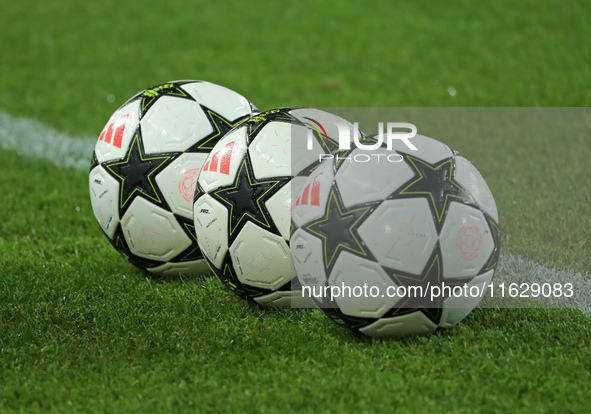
[[419, 290], [246, 199], [337, 229], [220, 125], [151, 95], [437, 183], [494, 256], [93, 161], [193, 252], [255, 123], [136, 173]]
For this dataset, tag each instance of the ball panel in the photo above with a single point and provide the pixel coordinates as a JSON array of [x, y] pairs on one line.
[[219, 99], [223, 162], [368, 284], [278, 299], [152, 232], [117, 134], [120, 244], [468, 177], [370, 180], [428, 149], [401, 234], [211, 228], [104, 198], [270, 151], [301, 156], [173, 125], [279, 207], [466, 241], [178, 180], [309, 267], [195, 267], [415, 323], [261, 258], [457, 308]]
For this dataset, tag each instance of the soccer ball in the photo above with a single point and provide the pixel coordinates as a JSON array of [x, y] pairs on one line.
[[243, 198], [396, 243], [145, 165]]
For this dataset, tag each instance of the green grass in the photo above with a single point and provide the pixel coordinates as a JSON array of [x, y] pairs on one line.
[[81, 330], [63, 59]]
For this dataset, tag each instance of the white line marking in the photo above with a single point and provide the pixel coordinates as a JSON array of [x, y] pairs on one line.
[[516, 269], [31, 139]]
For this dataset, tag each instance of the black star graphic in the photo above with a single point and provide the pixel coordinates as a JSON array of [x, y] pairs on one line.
[[221, 126], [136, 173], [338, 229], [198, 192], [192, 252], [437, 183], [151, 95], [246, 199], [255, 123], [494, 256], [94, 161], [418, 288]]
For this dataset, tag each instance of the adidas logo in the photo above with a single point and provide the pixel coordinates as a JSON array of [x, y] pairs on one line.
[[113, 134], [220, 160], [311, 194]]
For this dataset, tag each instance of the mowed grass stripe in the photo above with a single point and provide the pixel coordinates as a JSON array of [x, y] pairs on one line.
[[31, 139]]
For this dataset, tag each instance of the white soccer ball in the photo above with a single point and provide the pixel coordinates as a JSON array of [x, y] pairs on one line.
[[145, 166], [394, 246], [243, 198]]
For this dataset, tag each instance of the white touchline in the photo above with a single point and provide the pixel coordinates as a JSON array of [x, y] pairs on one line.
[[516, 269], [30, 139]]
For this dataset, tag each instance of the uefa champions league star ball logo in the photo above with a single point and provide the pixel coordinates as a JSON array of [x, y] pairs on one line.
[[469, 241], [187, 184]]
